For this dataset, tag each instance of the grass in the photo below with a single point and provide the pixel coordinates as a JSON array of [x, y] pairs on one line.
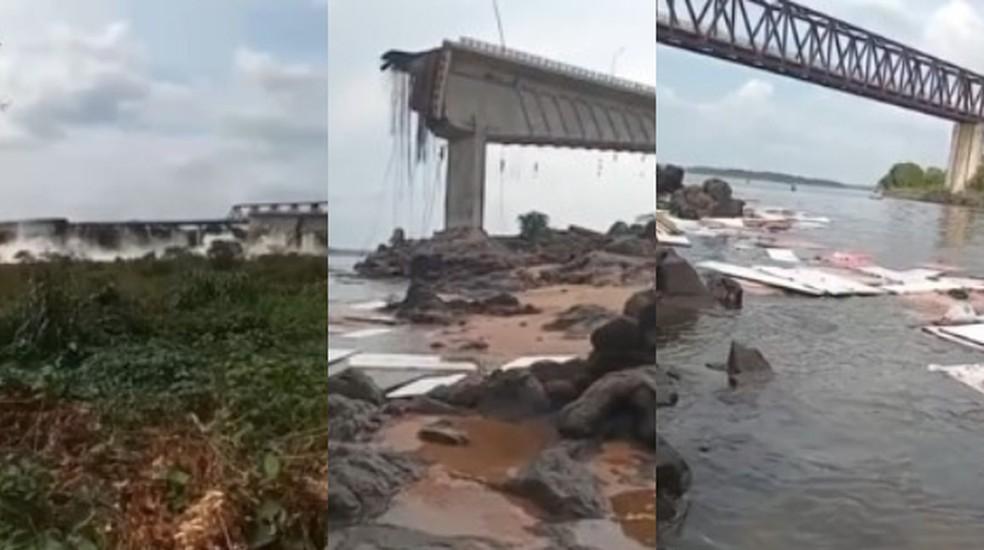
[[163, 404]]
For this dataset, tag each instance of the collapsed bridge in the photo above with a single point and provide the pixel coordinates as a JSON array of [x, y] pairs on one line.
[[472, 93]]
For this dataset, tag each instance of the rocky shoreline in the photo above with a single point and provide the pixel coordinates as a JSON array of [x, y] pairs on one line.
[[592, 420]]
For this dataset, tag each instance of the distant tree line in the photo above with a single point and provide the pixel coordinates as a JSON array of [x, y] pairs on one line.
[[909, 175]]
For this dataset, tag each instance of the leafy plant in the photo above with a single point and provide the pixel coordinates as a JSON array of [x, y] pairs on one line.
[[533, 225]]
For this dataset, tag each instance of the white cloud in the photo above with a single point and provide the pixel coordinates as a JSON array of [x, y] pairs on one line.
[[92, 131], [956, 32]]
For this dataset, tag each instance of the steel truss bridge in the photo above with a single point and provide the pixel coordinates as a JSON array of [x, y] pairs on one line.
[[789, 39]]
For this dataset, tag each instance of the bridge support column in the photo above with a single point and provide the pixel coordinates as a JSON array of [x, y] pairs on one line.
[[464, 204], [966, 151]]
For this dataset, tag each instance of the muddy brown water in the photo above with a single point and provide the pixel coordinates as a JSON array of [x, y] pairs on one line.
[[455, 499]]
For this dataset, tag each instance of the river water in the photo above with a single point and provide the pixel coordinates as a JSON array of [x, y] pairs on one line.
[[853, 444]]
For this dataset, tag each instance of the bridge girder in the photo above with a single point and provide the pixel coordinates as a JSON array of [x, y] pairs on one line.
[[787, 38]]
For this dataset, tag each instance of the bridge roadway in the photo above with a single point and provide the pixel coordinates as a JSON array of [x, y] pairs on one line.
[[786, 38], [473, 93]]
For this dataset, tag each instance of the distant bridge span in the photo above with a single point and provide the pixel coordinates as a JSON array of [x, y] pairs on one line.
[[789, 39]]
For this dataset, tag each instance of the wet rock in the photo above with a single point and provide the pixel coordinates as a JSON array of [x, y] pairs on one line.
[[718, 189], [669, 178], [691, 203], [578, 321], [561, 392], [463, 393], [422, 305], [731, 208], [443, 432], [673, 480], [620, 404], [746, 365], [501, 304], [619, 344], [355, 384], [426, 267], [726, 291], [351, 419], [513, 395], [676, 277], [561, 486], [362, 480]]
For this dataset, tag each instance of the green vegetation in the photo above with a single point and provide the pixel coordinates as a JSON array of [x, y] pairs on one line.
[[908, 180], [533, 225], [163, 404]]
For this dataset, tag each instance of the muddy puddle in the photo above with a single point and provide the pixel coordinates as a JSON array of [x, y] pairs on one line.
[[456, 497]]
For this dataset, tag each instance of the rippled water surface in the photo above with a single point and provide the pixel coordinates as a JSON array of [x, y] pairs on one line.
[[854, 444]]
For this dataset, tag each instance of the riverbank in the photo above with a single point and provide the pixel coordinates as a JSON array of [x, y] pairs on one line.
[[972, 199], [556, 452]]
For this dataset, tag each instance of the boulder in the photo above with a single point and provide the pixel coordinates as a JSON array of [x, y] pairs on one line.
[[676, 277], [619, 229], [422, 305], [669, 178], [718, 189], [351, 419], [691, 203], [726, 291], [746, 365], [630, 245], [619, 400], [673, 479], [561, 486], [363, 478], [730, 208], [513, 395], [463, 393], [355, 384]]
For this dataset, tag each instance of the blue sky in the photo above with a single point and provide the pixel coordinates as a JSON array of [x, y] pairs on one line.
[[711, 112], [129, 108]]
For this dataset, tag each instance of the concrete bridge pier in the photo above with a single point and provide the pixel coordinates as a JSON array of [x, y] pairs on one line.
[[966, 154], [464, 203]]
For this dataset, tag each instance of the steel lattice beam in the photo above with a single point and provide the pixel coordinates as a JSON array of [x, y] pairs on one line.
[[789, 39]]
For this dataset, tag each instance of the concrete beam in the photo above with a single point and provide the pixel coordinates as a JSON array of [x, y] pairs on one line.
[[966, 154]]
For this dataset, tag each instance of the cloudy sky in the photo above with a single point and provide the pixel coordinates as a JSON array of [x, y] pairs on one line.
[[711, 112], [135, 108], [585, 187]]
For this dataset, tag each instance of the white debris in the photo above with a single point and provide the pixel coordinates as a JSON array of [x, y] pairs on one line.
[[525, 362], [366, 333], [424, 386], [970, 375], [336, 355], [782, 255], [409, 361]]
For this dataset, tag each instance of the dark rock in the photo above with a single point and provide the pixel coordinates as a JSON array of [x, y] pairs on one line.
[[730, 208], [619, 229], [726, 291], [619, 399], [676, 277], [673, 476], [599, 268], [562, 487], [630, 246], [718, 189], [638, 304], [561, 392], [746, 365], [691, 203], [426, 267], [578, 321], [362, 479], [355, 384], [351, 419], [443, 433], [617, 336], [398, 238], [958, 294], [463, 393], [513, 395], [422, 305], [669, 178]]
